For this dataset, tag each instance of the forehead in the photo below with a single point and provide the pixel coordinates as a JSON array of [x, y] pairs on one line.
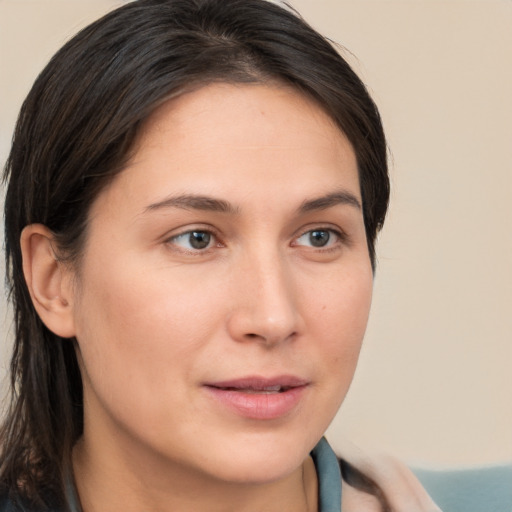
[[234, 140], [274, 117]]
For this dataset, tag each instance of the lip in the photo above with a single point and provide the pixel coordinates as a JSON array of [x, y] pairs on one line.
[[256, 397]]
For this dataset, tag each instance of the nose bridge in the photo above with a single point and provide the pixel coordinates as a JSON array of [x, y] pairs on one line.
[[265, 301]]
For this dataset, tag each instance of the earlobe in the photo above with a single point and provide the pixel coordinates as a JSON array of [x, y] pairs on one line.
[[48, 280]]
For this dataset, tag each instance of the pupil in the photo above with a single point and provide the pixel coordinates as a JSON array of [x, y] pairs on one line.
[[319, 238], [199, 239]]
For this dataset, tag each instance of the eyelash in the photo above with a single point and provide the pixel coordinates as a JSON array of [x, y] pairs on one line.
[[210, 232], [341, 238]]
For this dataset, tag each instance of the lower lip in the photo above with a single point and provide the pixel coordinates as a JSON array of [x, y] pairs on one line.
[[259, 406]]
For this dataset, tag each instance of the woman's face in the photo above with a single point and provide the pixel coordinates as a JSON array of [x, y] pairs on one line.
[[224, 288]]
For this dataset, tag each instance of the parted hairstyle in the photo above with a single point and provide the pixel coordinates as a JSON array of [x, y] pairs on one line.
[[75, 132]]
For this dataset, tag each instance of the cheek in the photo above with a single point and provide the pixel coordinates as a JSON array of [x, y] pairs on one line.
[[337, 314], [134, 328], [341, 307], [137, 346], [339, 318]]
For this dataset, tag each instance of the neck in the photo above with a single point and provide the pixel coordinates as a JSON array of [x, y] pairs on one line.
[[113, 482]]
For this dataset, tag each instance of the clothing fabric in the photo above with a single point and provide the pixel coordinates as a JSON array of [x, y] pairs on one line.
[[327, 469], [329, 477]]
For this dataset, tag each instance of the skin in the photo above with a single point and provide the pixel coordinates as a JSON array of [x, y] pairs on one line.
[[155, 319]]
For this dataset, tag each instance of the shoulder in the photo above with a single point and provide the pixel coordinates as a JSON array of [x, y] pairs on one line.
[[14, 504], [7, 505], [383, 484], [354, 500], [360, 492]]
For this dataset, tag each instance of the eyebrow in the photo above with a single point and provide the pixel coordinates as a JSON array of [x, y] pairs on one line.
[[194, 202], [211, 204], [330, 200]]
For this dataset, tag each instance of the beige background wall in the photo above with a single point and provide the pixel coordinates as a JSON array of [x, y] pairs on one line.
[[434, 384]]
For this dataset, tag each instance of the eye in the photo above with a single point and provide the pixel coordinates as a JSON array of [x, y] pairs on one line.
[[194, 240], [319, 238]]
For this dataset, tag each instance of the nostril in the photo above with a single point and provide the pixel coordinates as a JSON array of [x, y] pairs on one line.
[[253, 336], [270, 339]]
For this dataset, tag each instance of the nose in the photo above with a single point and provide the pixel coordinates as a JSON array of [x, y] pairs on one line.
[[265, 302]]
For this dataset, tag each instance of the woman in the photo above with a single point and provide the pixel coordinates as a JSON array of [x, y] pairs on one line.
[[194, 192]]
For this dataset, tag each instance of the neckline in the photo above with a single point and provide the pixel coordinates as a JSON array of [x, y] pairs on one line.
[[327, 470], [329, 477]]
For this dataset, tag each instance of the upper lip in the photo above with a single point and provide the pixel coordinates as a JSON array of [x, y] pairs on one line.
[[258, 383]]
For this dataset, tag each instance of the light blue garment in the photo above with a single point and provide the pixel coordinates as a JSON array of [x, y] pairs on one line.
[[72, 496], [329, 477], [483, 489], [487, 489]]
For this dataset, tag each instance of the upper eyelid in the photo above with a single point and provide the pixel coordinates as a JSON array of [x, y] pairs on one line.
[[168, 240], [338, 232], [187, 229], [177, 248], [322, 227]]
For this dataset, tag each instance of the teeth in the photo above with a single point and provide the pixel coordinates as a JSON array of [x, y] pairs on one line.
[[266, 390], [272, 388]]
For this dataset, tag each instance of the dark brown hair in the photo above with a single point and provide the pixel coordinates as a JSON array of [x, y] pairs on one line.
[[75, 132]]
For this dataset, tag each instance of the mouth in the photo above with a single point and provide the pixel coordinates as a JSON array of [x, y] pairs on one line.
[[259, 398], [269, 390], [265, 390], [278, 384]]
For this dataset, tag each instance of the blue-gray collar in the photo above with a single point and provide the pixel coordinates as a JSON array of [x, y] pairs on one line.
[[329, 477], [327, 469]]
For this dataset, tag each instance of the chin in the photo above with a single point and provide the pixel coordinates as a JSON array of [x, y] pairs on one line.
[[261, 458], [260, 470]]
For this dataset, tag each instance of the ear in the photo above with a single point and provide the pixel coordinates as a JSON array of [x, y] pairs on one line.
[[48, 280]]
